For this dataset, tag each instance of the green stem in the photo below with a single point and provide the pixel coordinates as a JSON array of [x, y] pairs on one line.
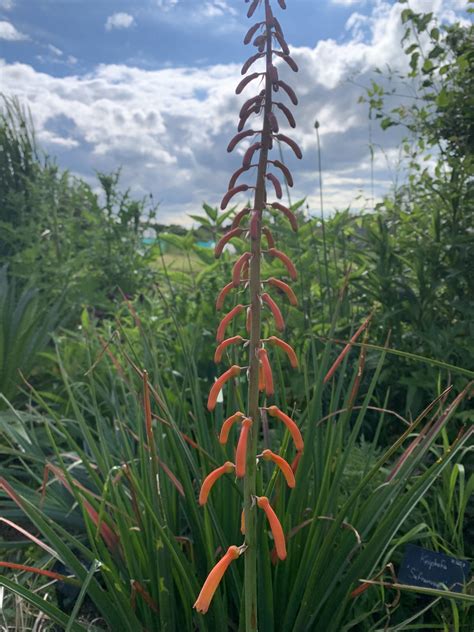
[[250, 580]]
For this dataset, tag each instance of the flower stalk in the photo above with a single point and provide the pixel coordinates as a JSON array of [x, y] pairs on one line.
[[264, 116]]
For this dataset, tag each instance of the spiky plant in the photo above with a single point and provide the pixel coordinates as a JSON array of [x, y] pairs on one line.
[[250, 224]]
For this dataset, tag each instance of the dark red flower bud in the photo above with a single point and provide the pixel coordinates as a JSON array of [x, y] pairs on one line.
[[281, 40], [230, 194], [272, 119], [245, 81], [282, 4], [252, 8], [268, 234], [287, 113], [285, 170], [276, 183], [250, 61], [238, 137], [289, 214], [249, 103], [251, 32], [236, 175], [289, 91], [289, 60], [273, 73], [247, 161], [240, 215], [246, 115], [294, 146]]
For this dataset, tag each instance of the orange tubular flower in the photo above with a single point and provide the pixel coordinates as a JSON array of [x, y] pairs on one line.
[[213, 579], [224, 344], [287, 348], [212, 478], [274, 411], [226, 320], [261, 379], [296, 462], [287, 472], [227, 425], [267, 371], [275, 526], [234, 371], [277, 315], [222, 294], [285, 260], [238, 267], [241, 454], [281, 285]]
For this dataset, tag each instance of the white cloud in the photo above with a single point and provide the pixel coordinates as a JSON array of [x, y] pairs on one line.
[[6, 4], [10, 33], [119, 21], [169, 128], [57, 52]]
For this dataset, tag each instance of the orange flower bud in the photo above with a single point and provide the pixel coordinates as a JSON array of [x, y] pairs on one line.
[[241, 454], [212, 478], [287, 348], [234, 371], [275, 526], [227, 425], [277, 315], [226, 320], [224, 344], [280, 207], [213, 579], [285, 260], [296, 462], [267, 371], [281, 285], [261, 379], [237, 269], [242, 522], [222, 294], [274, 411], [268, 455]]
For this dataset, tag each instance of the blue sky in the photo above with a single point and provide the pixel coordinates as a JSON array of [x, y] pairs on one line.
[[148, 85]]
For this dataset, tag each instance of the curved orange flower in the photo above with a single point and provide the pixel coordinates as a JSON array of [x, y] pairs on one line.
[[287, 472], [274, 411], [275, 526], [267, 371], [234, 371], [213, 579], [241, 454], [227, 425], [211, 478], [288, 349], [223, 346]]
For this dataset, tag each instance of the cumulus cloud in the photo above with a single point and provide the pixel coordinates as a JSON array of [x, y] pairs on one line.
[[348, 3], [169, 128], [10, 33], [119, 21]]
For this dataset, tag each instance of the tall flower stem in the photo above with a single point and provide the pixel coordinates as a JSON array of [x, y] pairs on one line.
[[250, 490]]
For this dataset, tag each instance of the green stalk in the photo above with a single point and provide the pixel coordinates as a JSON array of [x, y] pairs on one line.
[[250, 577]]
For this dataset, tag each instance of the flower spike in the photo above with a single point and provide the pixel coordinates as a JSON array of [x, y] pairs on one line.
[[234, 371], [241, 454], [211, 478], [275, 526], [274, 411], [213, 579], [285, 467], [227, 425]]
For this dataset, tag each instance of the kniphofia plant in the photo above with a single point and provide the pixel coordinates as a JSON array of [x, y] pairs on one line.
[[263, 110]]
